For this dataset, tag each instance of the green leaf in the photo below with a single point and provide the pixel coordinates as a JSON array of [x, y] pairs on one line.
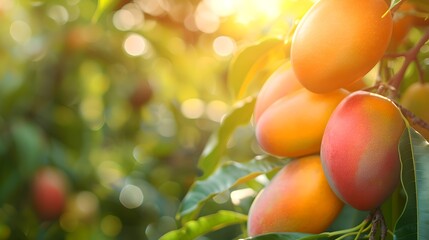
[[253, 64], [206, 224], [227, 176], [393, 3], [30, 145], [414, 154], [10, 182], [102, 6], [290, 236], [215, 147]]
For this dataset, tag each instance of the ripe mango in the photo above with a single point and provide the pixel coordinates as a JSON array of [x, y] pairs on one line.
[[416, 99], [298, 199], [340, 41], [281, 83], [359, 149], [293, 126]]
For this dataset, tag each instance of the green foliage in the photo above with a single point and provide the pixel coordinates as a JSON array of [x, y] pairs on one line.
[[393, 3], [195, 228], [225, 177], [414, 221], [102, 7], [216, 145], [252, 65]]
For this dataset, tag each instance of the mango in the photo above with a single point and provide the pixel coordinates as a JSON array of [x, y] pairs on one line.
[[416, 99], [282, 82], [293, 126], [339, 41], [298, 199], [359, 149]]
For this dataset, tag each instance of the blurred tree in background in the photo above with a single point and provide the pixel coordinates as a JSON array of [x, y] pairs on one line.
[[119, 103]]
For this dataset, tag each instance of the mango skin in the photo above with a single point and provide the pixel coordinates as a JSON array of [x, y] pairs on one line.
[[293, 126], [338, 42], [416, 99], [281, 83], [359, 149], [298, 199]]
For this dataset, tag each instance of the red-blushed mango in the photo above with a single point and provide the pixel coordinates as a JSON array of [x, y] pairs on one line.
[[416, 99], [298, 199], [281, 83], [293, 126], [339, 41], [49, 193], [359, 149]]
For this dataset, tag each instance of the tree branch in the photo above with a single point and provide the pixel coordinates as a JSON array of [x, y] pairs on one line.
[[410, 56]]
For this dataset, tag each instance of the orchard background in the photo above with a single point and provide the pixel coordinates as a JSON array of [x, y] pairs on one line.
[[133, 119]]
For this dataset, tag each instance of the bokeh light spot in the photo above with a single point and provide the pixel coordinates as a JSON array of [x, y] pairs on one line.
[[136, 45], [111, 225], [131, 196], [87, 203], [224, 46], [109, 173], [20, 31], [123, 20], [150, 7], [216, 110], [128, 17], [59, 14], [205, 19], [193, 108]]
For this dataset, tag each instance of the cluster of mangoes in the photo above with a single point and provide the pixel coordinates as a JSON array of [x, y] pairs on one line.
[[344, 143]]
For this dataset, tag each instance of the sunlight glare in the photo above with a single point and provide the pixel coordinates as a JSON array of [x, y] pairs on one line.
[[222, 8], [238, 195], [257, 10]]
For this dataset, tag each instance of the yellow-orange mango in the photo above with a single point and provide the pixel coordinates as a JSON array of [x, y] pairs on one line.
[[281, 83], [293, 126], [359, 149], [339, 41], [298, 199], [416, 99]]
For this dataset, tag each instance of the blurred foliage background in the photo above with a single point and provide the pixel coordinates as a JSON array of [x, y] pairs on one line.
[[122, 106]]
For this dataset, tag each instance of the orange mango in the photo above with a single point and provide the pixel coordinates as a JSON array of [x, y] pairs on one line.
[[281, 83], [339, 41], [298, 199], [293, 126]]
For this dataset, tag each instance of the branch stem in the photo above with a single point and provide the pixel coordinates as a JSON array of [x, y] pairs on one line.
[[410, 56]]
